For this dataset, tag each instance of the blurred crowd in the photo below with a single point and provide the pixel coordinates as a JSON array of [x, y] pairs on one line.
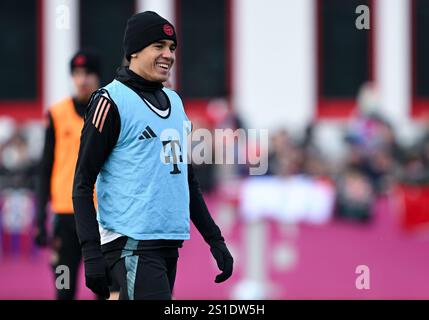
[[20, 150], [375, 163]]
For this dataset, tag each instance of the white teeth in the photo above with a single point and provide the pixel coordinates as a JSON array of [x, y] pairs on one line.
[[162, 65]]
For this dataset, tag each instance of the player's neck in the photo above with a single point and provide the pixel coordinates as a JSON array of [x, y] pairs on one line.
[[129, 77]]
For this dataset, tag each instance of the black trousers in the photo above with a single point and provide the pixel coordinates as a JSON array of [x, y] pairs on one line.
[[66, 253], [147, 276]]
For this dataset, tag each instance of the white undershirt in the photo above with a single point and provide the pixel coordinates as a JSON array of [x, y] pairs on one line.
[[107, 236]]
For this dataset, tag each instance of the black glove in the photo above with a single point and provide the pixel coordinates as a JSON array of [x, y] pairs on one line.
[[41, 236], [97, 275], [223, 258]]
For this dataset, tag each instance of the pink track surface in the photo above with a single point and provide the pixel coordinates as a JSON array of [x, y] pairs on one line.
[[325, 269]]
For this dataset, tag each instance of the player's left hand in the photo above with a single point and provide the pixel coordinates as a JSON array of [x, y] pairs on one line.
[[223, 259]]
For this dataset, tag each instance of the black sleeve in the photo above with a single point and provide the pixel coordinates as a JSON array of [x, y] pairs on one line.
[[200, 215], [99, 135], [45, 170]]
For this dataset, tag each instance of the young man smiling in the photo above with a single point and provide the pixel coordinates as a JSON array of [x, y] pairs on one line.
[[146, 192]]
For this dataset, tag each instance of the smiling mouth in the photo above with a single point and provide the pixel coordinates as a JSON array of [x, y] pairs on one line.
[[164, 66]]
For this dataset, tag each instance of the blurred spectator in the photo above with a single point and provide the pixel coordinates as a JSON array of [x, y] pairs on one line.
[[17, 169], [373, 150], [354, 197], [372, 160], [416, 164], [62, 139], [415, 169], [285, 157], [17, 180]]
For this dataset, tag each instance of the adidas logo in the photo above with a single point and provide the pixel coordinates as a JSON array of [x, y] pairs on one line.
[[147, 134]]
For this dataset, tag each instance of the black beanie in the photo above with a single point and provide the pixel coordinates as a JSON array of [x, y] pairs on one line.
[[145, 28], [87, 59]]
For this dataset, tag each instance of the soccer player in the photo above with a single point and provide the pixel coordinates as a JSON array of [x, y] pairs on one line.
[[55, 183], [133, 147]]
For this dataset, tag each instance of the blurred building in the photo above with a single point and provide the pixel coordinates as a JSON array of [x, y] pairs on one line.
[[278, 63]]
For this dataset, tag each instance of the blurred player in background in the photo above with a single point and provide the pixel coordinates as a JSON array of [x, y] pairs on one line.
[[62, 138], [145, 200]]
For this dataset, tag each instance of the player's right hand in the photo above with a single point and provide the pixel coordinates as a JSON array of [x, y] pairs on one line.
[[41, 237], [97, 275]]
